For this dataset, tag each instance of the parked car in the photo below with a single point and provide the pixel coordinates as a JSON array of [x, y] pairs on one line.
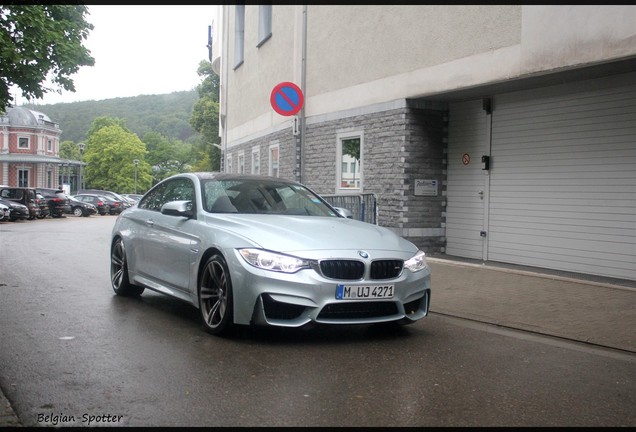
[[23, 195], [252, 250], [134, 197], [59, 203], [5, 212], [17, 211], [100, 203], [115, 206], [81, 208], [123, 202], [44, 206]]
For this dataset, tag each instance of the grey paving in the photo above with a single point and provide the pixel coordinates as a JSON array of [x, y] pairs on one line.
[[593, 310]]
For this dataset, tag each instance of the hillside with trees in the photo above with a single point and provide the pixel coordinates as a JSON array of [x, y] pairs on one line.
[[166, 114], [150, 136]]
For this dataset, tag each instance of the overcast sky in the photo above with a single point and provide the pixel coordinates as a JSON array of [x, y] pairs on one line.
[[140, 50]]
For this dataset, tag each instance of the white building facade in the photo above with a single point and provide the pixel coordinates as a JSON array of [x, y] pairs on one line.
[[499, 133]]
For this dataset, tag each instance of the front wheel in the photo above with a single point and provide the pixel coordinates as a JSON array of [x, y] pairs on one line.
[[119, 272], [215, 297], [77, 211]]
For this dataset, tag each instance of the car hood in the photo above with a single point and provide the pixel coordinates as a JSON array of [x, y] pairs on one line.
[[294, 234]]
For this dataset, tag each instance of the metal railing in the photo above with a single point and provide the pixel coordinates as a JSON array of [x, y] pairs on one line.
[[363, 207]]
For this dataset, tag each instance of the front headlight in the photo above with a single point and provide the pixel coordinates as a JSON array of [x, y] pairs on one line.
[[417, 262], [273, 261]]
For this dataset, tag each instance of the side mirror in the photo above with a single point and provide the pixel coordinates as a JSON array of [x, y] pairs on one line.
[[178, 208]]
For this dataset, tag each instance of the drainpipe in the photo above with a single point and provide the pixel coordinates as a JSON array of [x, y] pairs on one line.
[[303, 87]]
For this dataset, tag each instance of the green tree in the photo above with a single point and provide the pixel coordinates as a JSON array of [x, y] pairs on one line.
[[103, 121], [166, 156], [69, 150], [40, 41], [205, 120], [351, 147], [109, 154]]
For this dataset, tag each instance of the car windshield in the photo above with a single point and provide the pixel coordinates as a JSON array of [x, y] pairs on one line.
[[262, 197]]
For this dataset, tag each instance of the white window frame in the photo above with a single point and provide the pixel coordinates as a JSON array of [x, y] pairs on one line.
[[256, 160], [239, 35], [241, 163], [270, 169], [23, 177], [340, 137], [28, 143], [264, 24], [49, 144]]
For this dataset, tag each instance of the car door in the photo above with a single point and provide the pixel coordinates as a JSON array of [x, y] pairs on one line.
[[165, 243]]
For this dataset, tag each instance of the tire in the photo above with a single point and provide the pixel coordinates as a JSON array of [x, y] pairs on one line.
[[119, 272], [216, 299], [77, 211]]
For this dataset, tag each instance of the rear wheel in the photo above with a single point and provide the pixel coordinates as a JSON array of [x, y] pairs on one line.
[[215, 297], [77, 211], [119, 272]]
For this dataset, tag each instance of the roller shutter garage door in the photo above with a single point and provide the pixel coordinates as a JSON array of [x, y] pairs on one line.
[[562, 190]]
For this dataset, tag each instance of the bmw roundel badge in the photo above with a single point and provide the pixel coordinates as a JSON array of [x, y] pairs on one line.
[[363, 254]]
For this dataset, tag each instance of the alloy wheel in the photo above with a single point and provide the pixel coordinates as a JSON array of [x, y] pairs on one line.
[[215, 296]]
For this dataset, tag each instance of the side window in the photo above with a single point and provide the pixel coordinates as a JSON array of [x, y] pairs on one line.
[[173, 190], [179, 190], [349, 176], [154, 199]]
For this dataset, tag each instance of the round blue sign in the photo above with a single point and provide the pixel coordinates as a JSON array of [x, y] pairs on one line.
[[287, 99]]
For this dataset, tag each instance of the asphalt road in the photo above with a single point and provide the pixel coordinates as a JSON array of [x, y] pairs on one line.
[[73, 354]]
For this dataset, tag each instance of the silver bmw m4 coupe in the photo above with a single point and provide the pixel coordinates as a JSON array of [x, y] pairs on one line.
[[255, 250]]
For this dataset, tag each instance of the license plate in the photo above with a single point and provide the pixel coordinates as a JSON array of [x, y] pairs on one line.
[[348, 292]]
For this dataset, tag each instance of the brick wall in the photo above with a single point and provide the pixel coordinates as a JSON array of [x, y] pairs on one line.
[[399, 147]]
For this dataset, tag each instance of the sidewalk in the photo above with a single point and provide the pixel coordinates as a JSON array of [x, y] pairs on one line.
[[589, 309], [595, 310]]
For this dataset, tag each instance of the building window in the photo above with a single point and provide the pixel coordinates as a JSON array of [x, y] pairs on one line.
[[239, 34], [228, 164], [349, 177], [273, 160], [23, 178], [264, 23], [49, 179], [23, 143], [49, 145], [241, 163], [256, 160]]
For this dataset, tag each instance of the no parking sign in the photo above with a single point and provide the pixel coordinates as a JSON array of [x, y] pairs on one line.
[[287, 99]]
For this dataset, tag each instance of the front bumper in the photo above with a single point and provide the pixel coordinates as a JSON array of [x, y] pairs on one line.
[[270, 298]]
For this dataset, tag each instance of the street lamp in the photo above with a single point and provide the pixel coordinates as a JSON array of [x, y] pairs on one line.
[[136, 162], [68, 173], [81, 184]]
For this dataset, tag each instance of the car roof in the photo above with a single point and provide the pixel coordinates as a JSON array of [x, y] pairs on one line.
[[214, 175]]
